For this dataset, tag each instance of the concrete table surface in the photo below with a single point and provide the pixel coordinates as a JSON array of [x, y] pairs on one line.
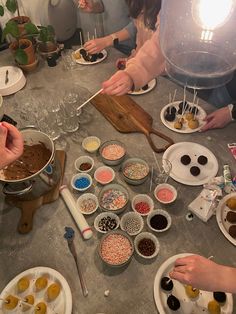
[[131, 288]]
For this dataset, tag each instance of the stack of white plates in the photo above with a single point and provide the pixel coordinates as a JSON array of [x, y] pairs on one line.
[[16, 80]]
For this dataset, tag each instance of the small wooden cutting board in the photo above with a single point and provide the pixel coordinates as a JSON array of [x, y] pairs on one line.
[[127, 117]]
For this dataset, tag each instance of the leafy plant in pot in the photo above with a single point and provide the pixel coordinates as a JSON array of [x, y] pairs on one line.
[[47, 44]]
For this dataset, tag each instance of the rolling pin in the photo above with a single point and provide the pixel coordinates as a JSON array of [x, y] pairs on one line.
[[82, 224]]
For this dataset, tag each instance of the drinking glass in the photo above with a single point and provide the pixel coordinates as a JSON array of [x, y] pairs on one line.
[[163, 171], [68, 60]]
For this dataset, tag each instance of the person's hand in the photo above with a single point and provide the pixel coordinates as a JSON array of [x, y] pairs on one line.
[[11, 144], [121, 63], [217, 119], [85, 5], [197, 271], [96, 45], [119, 84]]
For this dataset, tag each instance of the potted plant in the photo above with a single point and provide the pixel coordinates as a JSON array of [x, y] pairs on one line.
[[47, 44]]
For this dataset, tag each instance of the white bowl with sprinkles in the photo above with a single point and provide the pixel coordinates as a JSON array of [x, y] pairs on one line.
[[87, 203], [113, 197], [106, 221], [112, 152], [146, 245], [132, 223], [91, 144], [135, 171], [116, 248]]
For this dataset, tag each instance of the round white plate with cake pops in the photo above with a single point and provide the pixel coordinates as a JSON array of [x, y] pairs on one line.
[[144, 90], [62, 304], [191, 172], [78, 57], [172, 113], [221, 214], [187, 305]]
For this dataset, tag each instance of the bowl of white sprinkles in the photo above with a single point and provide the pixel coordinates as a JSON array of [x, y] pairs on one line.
[[116, 248], [113, 197], [132, 223], [135, 171]]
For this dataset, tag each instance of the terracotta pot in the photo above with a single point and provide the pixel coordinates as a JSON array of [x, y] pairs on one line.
[[21, 21], [47, 49], [29, 50]]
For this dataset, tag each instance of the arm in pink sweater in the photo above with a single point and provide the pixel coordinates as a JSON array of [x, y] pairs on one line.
[[148, 62]]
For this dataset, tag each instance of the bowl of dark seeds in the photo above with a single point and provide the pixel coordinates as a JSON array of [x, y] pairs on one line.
[[106, 221], [146, 245]]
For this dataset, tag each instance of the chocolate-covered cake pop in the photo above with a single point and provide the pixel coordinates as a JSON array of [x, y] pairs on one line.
[[231, 217], [195, 171], [194, 110], [166, 284], [93, 58], [145, 87], [202, 160], [170, 116], [173, 303], [219, 297], [232, 231], [183, 106], [185, 160], [100, 55]]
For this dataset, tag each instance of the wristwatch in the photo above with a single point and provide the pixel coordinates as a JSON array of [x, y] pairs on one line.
[[232, 109], [115, 40]]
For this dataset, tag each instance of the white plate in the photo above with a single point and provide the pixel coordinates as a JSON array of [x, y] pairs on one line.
[[16, 81], [185, 129], [181, 173], [221, 213], [151, 86], [61, 305], [186, 305], [83, 62]]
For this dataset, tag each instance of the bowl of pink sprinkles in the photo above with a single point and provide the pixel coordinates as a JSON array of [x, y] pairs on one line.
[[112, 152], [116, 248]]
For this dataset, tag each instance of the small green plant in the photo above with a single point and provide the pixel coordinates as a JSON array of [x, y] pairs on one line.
[[12, 6], [46, 33]]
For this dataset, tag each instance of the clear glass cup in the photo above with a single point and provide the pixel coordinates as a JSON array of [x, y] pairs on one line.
[[68, 60], [163, 171]]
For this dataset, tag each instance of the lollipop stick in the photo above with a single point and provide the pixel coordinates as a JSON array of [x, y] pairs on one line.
[[173, 99], [151, 180], [88, 36], [95, 32], [81, 39], [158, 166], [196, 110]]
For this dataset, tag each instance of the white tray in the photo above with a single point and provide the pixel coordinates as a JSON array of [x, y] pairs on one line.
[[151, 86], [221, 213], [61, 305], [186, 305], [83, 62], [185, 129], [16, 81], [181, 173]]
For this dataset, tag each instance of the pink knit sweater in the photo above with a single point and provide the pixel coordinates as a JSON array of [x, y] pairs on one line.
[[148, 62]]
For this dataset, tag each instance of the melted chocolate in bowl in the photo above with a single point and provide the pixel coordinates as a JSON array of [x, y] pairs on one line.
[[33, 159]]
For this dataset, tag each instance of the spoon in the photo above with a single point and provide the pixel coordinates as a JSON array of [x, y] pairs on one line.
[[25, 167]]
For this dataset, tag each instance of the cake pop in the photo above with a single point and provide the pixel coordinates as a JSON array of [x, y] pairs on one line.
[[220, 297], [53, 291], [166, 284], [40, 308], [41, 283], [202, 160], [193, 124], [173, 303], [191, 292], [178, 125], [213, 307], [185, 160], [189, 116], [23, 284], [195, 171], [232, 231], [10, 302], [231, 203], [231, 217]]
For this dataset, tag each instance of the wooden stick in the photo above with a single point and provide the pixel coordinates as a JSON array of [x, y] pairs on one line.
[[89, 99], [173, 99], [81, 39]]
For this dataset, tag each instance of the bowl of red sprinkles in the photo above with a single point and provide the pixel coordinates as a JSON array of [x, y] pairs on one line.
[[116, 248], [142, 204], [135, 171], [113, 197], [112, 152]]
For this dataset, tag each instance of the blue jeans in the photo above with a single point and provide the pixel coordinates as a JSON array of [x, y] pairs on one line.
[[219, 97]]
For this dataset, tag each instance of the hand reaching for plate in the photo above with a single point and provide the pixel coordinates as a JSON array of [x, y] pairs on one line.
[[119, 84], [217, 119]]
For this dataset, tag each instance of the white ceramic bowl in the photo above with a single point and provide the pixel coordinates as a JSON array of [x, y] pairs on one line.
[[145, 199], [146, 235], [110, 248], [160, 212], [117, 187], [81, 202], [132, 223], [106, 215], [81, 160], [101, 170], [112, 161], [131, 180], [91, 144], [79, 176], [165, 193], [16, 81]]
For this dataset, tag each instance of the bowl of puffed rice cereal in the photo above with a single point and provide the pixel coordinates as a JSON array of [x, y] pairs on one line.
[[116, 248], [87, 203]]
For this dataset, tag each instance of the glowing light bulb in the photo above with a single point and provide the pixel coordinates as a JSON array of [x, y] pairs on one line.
[[210, 14]]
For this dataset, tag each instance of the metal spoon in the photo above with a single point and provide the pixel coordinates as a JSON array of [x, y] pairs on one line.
[[24, 166]]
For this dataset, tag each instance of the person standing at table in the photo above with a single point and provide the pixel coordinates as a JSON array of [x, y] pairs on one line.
[[115, 18], [11, 144]]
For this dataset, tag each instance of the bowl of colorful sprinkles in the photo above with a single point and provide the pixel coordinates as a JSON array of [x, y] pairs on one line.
[[106, 221], [104, 175], [165, 193], [116, 248], [135, 171], [132, 223], [91, 144], [112, 152], [113, 197], [84, 164], [146, 245], [87, 203], [159, 220], [142, 204], [81, 181]]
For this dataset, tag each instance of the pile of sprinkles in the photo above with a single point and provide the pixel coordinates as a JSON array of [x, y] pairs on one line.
[[105, 175], [82, 183], [142, 207], [116, 249], [85, 166], [107, 224], [113, 199], [113, 152], [135, 171], [132, 224], [88, 205], [146, 247], [92, 145]]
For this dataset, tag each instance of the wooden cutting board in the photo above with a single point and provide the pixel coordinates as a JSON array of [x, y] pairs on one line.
[[127, 117]]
